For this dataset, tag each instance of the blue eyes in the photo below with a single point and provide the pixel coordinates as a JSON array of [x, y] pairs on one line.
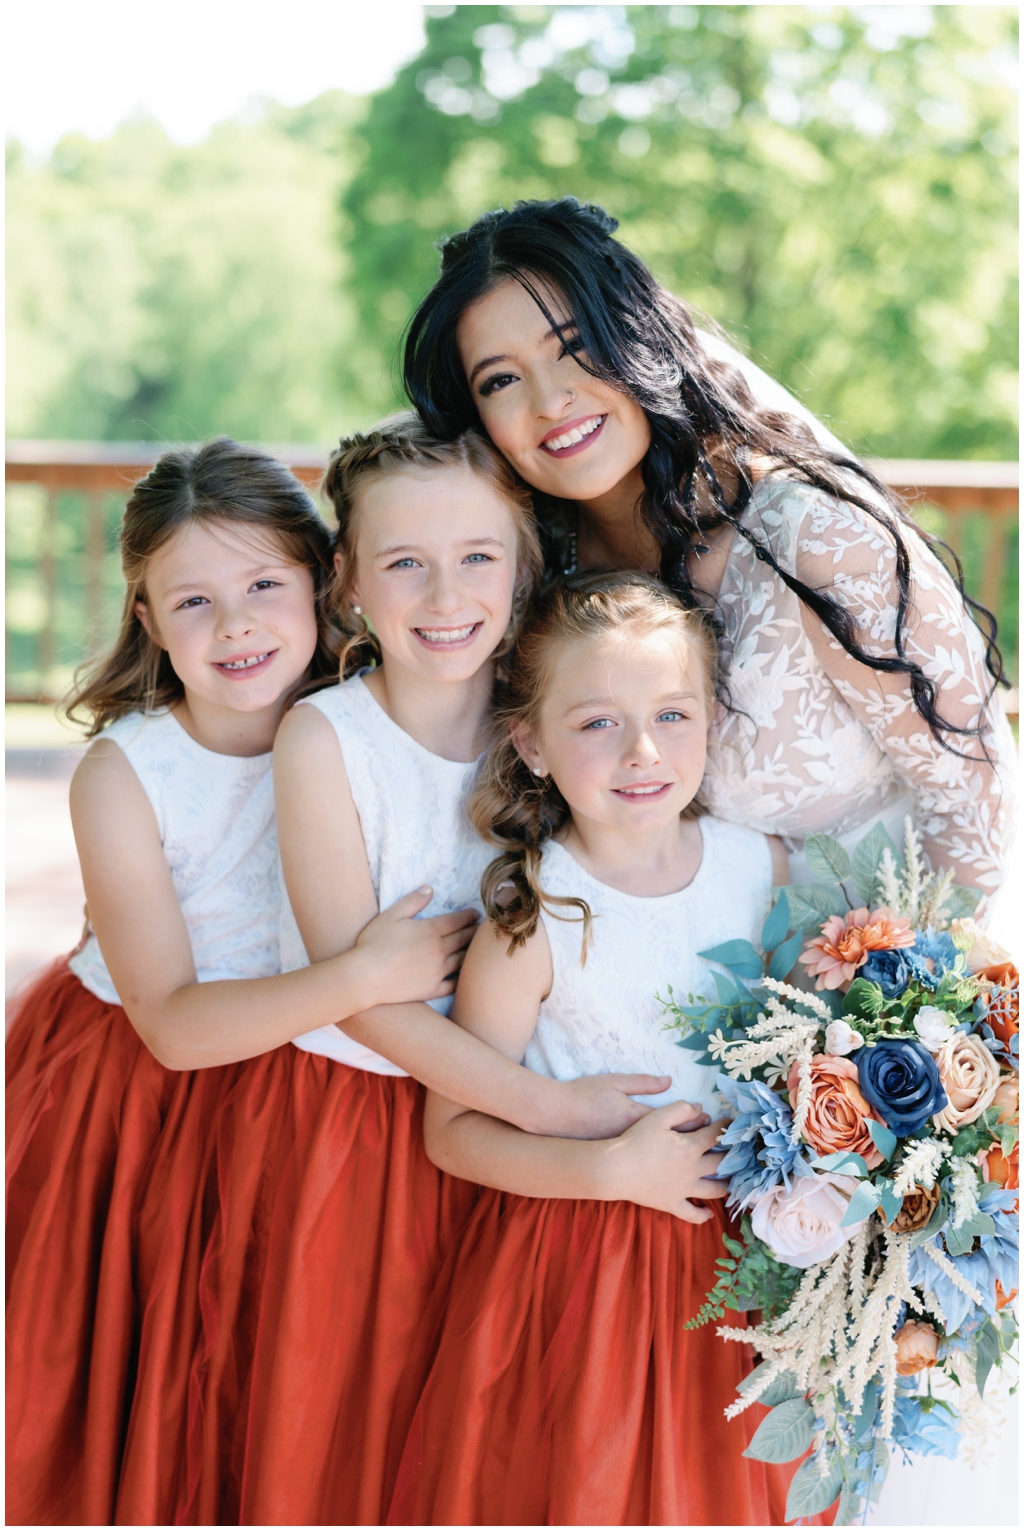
[[599, 723], [671, 716], [414, 563]]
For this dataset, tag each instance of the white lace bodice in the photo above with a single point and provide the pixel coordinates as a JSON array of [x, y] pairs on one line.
[[604, 1016], [818, 742], [215, 814], [411, 806]]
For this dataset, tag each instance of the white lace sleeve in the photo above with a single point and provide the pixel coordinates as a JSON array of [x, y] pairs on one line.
[[963, 793]]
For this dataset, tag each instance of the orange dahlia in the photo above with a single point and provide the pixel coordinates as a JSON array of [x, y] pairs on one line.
[[844, 944]]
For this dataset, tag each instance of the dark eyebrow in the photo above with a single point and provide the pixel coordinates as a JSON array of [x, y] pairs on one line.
[[251, 574], [557, 330]]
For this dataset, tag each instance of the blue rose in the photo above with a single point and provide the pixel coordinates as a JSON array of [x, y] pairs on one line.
[[899, 1078], [889, 970]]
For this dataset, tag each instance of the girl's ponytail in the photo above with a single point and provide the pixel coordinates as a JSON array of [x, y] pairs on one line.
[[518, 811]]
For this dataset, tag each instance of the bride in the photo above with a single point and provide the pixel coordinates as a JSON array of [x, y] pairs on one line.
[[860, 679]]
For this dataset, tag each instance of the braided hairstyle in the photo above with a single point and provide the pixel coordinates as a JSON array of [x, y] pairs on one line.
[[638, 337], [396, 445], [512, 808]]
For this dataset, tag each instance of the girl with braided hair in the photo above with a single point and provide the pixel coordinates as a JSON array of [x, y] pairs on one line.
[[859, 679], [565, 1387], [334, 1224]]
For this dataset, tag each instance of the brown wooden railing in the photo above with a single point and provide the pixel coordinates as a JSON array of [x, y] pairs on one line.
[[64, 500]]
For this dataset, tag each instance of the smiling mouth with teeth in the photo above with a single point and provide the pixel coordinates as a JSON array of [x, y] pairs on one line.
[[445, 637], [573, 437], [245, 664], [648, 790]]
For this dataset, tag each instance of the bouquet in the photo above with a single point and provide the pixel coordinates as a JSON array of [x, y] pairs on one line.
[[873, 1159]]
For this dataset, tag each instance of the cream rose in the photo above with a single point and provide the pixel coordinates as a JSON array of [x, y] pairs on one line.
[[840, 1039], [983, 952], [970, 1078], [801, 1225], [917, 1348]]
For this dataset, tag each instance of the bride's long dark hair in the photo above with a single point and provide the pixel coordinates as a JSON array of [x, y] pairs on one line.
[[640, 338]]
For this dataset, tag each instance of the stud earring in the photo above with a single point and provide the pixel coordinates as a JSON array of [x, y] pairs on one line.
[[538, 772], [358, 610]]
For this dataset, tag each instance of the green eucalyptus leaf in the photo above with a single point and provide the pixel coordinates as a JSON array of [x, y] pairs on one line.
[[862, 1203], [738, 956], [810, 907], [784, 1434], [842, 1163], [816, 1485], [960, 903], [889, 1201], [987, 1353], [728, 993], [884, 1140], [776, 926], [867, 861], [785, 955], [865, 1420], [779, 1391], [827, 859], [850, 1508]]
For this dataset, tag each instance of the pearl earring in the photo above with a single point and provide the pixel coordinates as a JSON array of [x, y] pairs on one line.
[[358, 610], [538, 772]]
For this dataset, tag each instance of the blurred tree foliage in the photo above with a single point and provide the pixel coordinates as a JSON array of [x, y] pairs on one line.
[[834, 184], [160, 291]]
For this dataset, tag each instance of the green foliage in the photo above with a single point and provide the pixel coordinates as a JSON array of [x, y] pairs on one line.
[[837, 192], [784, 1434], [749, 1277], [816, 1484], [157, 291]]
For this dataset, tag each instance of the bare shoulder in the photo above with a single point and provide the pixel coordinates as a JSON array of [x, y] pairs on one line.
[[301, 730], [499, 978], [780, 861], [104, 781]]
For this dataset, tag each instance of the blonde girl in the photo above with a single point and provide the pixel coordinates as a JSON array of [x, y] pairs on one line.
[[227, 566], [564, 1387], [319, 1288]]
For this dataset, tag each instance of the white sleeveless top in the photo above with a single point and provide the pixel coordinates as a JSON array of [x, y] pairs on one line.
[[411, 807], [605, 1017], [215, 814]]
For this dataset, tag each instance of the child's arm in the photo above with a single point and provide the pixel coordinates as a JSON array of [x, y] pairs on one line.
[[331, 892], [780, 861], [138, 922], [661, 1161]]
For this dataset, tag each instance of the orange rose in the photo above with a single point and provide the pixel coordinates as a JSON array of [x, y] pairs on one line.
[[1003, 1009], [916, 1211], [1003, 1169], [917, 1348], [1002, 1298], [838, 1113]]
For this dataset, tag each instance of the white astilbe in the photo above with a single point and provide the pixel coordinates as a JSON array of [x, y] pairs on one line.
[[941, 1259], [918, 894], [869, 1343], [889, 882], [934, 900], [776, 1040], [965, 1191], [921, 1164], [913, 874], [811, 1002]]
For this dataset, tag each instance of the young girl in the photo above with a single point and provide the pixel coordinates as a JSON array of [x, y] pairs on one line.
[[333, 1225], [565, 1388], [226, 563]]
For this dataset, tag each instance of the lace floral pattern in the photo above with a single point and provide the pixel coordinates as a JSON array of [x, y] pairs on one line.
[[819, 743]]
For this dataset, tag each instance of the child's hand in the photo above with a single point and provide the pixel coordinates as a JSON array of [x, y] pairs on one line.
[[599, 1105], [664, 1159], [409, 959]]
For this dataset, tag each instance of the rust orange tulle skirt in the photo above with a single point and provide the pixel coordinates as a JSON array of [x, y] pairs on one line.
[[214, 1278], [564, 1388]]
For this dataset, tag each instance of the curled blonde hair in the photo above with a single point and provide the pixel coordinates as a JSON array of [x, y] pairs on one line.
[[399, 443], [517, 811]]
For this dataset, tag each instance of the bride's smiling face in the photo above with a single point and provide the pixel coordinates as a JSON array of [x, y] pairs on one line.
[[567, 432]]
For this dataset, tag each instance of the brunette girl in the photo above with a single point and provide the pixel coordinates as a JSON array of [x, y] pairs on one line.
[[109, 1129], [334, 1224], [859, 680], [566, 1388]]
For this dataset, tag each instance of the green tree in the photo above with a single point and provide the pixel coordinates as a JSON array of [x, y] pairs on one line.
[[834, 185], [159, 291]]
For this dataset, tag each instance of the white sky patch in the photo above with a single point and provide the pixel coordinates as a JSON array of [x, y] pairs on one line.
[[84, 66]]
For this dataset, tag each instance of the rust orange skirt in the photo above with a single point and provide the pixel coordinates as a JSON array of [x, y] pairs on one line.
[[214, 1278], [564, 1388]]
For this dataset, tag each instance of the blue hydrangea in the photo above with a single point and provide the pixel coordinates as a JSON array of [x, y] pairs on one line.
[[933, 954], [762, 1150], [926, 1433], [994, 1260]]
